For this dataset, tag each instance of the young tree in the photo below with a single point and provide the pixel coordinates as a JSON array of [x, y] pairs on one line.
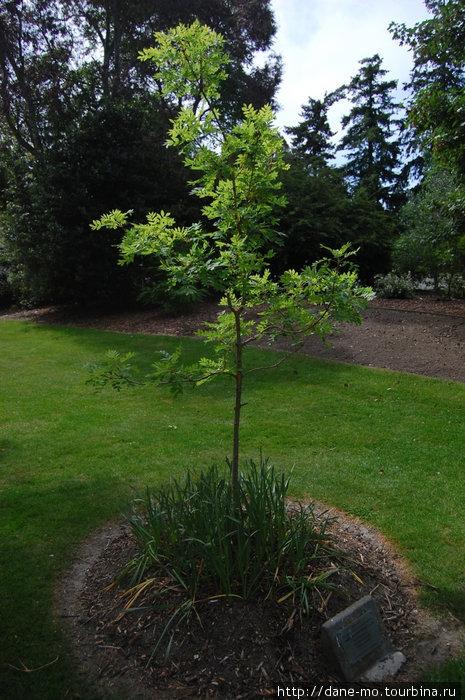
[[370, 142], [237, 175]]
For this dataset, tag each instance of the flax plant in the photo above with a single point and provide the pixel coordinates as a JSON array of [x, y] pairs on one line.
[[192, 539]]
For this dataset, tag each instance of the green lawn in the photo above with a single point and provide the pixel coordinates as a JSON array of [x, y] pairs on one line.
[[386, 446]]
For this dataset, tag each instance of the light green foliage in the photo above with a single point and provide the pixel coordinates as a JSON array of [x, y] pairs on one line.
[[190, 61], [116, 371], [236, 170]]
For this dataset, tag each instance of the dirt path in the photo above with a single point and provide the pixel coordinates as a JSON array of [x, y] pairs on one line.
[[423, 343], [422, 336]]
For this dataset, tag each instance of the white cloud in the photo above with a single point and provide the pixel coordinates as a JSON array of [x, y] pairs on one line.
[[322, 41]]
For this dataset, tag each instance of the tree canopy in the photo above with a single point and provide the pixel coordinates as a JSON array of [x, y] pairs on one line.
[[437, 81], [370, 140], [81, 118], [83, 127]]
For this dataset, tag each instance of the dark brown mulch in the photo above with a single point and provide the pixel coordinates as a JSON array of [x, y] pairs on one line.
[[235, 649]]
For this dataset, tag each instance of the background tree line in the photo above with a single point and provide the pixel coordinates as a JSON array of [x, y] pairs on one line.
[[83, 128]]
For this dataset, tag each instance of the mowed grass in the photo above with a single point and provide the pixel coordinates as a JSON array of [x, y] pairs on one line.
[[388, 447]]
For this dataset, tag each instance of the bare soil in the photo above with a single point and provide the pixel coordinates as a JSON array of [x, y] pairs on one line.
[[424, 336], [230, 648]]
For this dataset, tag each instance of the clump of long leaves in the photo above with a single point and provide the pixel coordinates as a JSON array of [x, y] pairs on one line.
[[193, 535]]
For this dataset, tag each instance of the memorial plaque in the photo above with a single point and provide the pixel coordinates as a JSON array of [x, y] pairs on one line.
[[355, 639]]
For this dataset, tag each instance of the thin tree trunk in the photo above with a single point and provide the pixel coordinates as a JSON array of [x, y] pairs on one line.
[[117, 33], [235, 454], [237, 409]]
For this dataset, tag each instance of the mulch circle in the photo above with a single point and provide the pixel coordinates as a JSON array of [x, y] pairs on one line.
[[232, 648]]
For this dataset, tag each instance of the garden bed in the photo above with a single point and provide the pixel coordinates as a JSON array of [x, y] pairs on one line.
[[237, 649]]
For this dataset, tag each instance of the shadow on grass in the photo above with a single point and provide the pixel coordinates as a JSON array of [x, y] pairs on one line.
[[295, 368], [46, 521]]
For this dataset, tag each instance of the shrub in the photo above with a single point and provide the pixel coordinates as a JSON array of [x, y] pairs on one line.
[[395, 285], [457, 287], [6, 295]]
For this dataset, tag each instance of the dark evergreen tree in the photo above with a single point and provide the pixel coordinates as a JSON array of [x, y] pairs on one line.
[[315, 214], [371, 144], [321, 212], [436, 109], [51, 199], [321, 209], [81, 118], [315, 192], [312, 137]]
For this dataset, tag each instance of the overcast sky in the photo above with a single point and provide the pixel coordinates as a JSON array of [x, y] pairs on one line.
[[322, 41]]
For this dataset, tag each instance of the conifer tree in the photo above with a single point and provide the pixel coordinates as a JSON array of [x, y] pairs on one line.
[[312, 137], [370, 142]]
